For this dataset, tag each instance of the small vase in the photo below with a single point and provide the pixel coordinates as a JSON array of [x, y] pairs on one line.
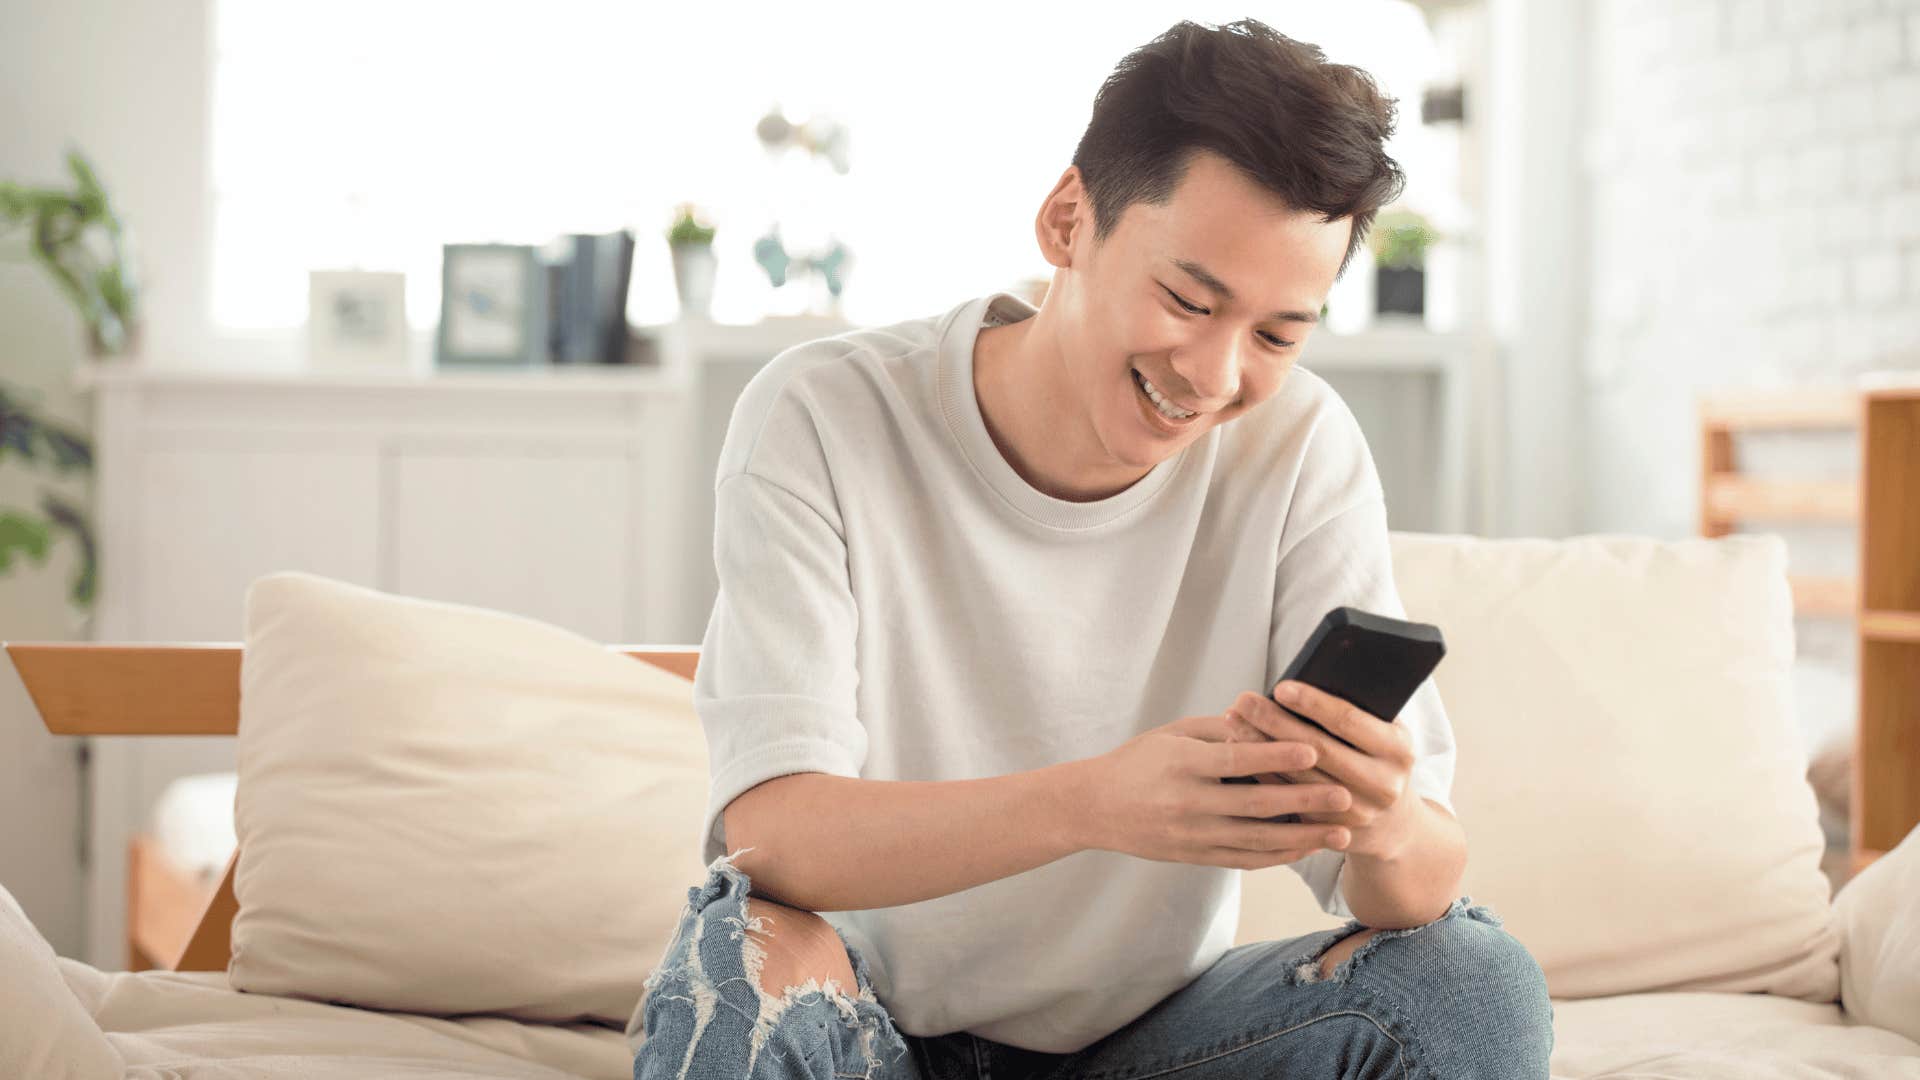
[[693, 273]]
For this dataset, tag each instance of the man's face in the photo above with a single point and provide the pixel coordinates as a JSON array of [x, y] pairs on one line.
[[1198, 297]]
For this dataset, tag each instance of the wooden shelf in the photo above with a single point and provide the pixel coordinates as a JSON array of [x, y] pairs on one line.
[[1729, 497], [1884, 601], [1735, 498], [1900, 626], [1817, 407], [1887, 760]]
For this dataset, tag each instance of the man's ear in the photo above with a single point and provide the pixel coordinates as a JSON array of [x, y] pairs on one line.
[[1062, 217]]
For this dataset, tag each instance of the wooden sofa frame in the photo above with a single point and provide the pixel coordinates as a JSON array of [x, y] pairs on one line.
[[100, 688]]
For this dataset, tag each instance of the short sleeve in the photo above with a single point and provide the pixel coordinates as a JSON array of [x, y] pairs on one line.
[[1347, 561], [775, 687]]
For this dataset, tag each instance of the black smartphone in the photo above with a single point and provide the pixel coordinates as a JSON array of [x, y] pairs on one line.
[[1373, 661]]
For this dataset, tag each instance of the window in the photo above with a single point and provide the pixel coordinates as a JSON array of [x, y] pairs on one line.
[[363, 134]]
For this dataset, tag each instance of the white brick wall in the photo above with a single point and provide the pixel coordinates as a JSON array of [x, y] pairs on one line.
[[1755, 172], [1754, 177]]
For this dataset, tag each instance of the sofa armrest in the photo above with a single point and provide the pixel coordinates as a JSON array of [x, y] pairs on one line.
[[175, 688], [44, 1031], [1878, 915]]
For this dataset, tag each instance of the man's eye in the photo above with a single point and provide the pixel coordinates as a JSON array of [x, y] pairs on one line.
[[1191, 310]]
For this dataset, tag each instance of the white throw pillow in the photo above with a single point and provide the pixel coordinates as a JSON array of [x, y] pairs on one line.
[[44, 1030], [447, 809], [1630, 775], [1878, 910]]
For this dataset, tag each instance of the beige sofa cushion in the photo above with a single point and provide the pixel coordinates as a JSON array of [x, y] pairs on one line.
[[45, 1032], [447, 809], [1879, 915], [1716, 1036], [190, 1025], [1630, 775]]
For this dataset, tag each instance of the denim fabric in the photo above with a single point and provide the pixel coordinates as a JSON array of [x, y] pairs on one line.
[[1457, 998]]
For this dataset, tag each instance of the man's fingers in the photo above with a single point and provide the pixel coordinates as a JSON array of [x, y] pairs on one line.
[[1272, 800], [1212, 728], [1250, 758], [1242, 859], [1240, 730], [1336, 757], [1298, 776], [1271, 836]]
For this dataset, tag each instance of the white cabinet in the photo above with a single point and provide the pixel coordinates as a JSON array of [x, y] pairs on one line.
[[217, 508], [542, 530]]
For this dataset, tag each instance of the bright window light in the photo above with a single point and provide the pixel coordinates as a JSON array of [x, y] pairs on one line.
[[356, 134]]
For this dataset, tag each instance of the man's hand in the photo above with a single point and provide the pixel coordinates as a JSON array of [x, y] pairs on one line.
[[1375, 768], [1159, 796]]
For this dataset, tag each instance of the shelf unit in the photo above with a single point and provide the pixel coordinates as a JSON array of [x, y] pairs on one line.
[[1887, 763], [1883, 503]]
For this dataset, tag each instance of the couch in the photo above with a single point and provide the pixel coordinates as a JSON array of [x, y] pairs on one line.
[[438, 872]]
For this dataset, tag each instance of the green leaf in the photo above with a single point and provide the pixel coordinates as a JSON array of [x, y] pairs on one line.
[[20, 533], [73, 519], [1400, 238], [17, 429], [70, 450], [61, 223]]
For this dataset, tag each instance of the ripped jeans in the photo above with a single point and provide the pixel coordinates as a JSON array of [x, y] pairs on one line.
[[1457, 998]]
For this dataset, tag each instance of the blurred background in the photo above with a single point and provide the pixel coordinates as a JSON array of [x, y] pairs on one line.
[[454, 299]]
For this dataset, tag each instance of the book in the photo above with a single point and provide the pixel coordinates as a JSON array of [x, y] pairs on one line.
[[591, 310]]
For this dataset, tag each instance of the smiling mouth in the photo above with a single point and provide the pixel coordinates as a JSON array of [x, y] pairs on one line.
[[1140, 386]]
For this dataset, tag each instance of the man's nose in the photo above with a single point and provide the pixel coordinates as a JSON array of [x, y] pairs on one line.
[[1211, 369]]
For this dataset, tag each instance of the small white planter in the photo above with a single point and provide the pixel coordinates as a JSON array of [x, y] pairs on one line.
[[693, 273]]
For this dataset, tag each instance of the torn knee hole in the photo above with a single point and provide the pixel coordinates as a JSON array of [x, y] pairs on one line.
[[830, 991], [811, 949], [1356, 946], [1322, 966], [1346, 949]]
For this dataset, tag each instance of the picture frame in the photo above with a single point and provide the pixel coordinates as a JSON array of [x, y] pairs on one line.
[[357, 321], [493, 306]]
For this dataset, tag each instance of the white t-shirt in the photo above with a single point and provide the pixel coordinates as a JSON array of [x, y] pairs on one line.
[[897, 603]]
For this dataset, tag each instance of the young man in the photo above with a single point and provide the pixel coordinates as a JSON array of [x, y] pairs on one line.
[[1002, 593]]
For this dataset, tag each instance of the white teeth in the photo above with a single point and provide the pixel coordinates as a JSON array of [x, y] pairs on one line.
[[1167, 409]]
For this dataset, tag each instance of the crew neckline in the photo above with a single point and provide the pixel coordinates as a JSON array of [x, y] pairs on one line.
[[961, 406]]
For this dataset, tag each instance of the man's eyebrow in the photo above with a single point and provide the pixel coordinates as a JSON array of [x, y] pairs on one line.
[[1205, 277]]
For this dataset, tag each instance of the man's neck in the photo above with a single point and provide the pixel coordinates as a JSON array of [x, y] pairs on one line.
[[1037, 418]]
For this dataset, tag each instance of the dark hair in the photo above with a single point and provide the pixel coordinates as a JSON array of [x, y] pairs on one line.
[[1311, 132]]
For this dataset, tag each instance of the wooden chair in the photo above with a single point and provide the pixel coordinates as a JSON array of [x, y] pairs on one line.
[[100, 688]]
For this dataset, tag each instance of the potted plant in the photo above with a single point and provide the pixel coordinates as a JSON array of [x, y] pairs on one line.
[[1399, 242], [691, 241], [77, 236], [29, 534]]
